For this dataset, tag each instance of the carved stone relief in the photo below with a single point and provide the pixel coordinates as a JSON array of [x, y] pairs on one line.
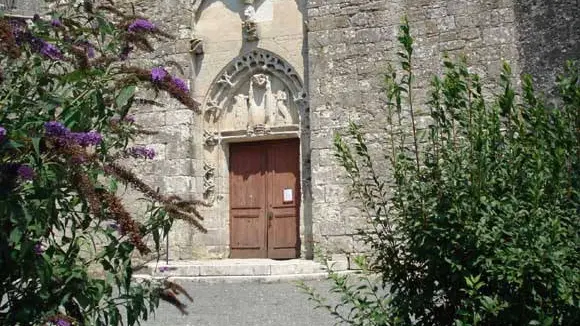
[[249, 25], [210, 138], [196, 46], [257, 90], [208, 180], [282, 113], [259, 108]]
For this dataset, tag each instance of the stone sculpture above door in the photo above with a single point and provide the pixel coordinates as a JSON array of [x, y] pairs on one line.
[[255, 94]]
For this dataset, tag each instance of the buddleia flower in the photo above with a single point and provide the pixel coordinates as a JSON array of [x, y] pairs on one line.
[[158, 74], [141, 25]]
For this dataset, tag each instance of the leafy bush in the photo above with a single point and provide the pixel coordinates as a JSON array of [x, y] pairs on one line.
[[66, 95], [476, 221]]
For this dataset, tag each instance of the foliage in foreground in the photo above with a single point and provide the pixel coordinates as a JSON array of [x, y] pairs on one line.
[[66, 95], [479, 220]]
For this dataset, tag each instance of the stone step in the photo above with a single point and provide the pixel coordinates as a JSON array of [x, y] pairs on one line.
[[243, 279], [234, 267]]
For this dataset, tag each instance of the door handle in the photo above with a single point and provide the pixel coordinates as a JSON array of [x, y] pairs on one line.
[[270, 216]]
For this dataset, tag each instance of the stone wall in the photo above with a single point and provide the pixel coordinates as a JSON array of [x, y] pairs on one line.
[[339, 49], [22, 8], [350, 44], [548, 36]]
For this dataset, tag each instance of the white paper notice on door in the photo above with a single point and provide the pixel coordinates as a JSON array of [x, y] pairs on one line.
[[288, 197]]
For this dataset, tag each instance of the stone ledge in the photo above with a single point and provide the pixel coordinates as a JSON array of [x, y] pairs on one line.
[[247, 279], [233, 267]]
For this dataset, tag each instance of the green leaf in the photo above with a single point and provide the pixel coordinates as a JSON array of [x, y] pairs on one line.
[[15, 236], [36, 145], [124, 96]]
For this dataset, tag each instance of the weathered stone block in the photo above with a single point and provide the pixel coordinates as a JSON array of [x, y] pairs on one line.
[[338, 262], [178, 117], [177, 184], [179, 149], [234, 270], [177, 167]]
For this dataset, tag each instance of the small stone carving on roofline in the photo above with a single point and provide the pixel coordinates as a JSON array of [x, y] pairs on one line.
[[249, 25], [250, 29], [196, 46]]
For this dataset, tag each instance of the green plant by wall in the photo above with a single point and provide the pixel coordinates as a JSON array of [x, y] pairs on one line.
[[67, 92], [477, 220]]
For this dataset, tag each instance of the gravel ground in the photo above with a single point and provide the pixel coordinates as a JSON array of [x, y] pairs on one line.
[[251, 304]]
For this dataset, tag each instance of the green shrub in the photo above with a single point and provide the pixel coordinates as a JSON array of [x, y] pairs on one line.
[[66, 97], [476, 220]]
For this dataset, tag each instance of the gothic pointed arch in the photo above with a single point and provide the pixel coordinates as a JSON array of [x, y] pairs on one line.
[[257, 92]]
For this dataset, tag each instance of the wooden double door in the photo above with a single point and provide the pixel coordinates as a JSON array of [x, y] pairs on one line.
[[265, 199]]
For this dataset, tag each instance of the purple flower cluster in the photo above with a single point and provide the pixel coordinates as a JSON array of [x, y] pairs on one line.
[[163, 269], [179, 83], [62, 322], [89, 48], [11, 173], [55, 129], [25, 172], [38, 248], [158, 74], [18, 28], [2, 133], [50, 51], [23, 35], [84, 139], [141, 25], [56, 23], [141, 152]]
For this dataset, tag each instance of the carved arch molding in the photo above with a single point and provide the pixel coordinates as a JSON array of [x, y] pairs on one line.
[[255, 94]]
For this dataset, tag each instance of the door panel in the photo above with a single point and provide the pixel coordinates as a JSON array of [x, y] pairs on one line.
[[284, 197], [247, 210], [265, 199]]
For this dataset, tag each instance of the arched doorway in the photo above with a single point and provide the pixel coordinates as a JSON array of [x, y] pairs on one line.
[[257, 136]]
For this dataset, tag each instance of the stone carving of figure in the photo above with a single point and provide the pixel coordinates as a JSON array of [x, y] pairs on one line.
[[261, 110], [249, 25], [282, 112], [250, 13], [240, 111]]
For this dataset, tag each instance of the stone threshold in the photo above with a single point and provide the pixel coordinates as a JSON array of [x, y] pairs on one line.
[[237, 270], [243, 279], [233, 267]]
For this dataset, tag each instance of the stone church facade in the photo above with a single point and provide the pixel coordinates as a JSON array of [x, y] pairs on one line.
[[277, 79]]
